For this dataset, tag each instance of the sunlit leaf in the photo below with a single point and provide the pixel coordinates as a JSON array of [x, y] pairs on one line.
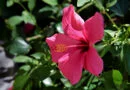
[[22, 59], [65, 82], [25, 67], [92, 86], [51, 2], [99, 4], [110, 3], [15, 20], [48, 82], [82, 2], [18, 46], [9, 3], [95, 80], [110, 32], [31, 4], [59, 28], [38, 55], [28, 18], [46, 9], [117, 77]]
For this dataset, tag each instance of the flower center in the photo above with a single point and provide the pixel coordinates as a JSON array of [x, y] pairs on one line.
[[60, 48], [85, 46]]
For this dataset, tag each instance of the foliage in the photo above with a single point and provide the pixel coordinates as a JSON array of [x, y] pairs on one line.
[[25, 24]]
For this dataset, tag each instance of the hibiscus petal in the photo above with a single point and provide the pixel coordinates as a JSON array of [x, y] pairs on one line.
[[94, 28], [72, 68], [93, 62], [66, 19], [75, 34], [73, 22], [60, 46], [76, 21]]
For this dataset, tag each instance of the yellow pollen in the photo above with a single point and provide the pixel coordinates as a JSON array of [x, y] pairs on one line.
[[60, 47]]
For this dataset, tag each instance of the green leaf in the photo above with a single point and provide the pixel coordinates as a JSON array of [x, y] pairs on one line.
[[82, 2], [38, 55], [48, 82], [110, 3], [15, 20], [125, 55], [46, 9], [25, 67], [22, 59], [28, 18], [99, 4], [65, 82], [128, 28], [110, 32], [109, 35], [108, 80], [92, 86], [96, 79], [9, 3], [51, 2], [50, 11], [117, 77], [31, 4], [59, 28], [120, 8], [18, 46], [20, 82], [41, 72]]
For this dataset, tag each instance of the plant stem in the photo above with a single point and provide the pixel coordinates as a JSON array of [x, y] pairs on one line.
[[114, 25], [85, 6], [90, 80], [22, 6], [33, 38]]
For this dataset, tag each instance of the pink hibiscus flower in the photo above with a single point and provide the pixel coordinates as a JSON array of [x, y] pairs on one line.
[[74, 49]]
